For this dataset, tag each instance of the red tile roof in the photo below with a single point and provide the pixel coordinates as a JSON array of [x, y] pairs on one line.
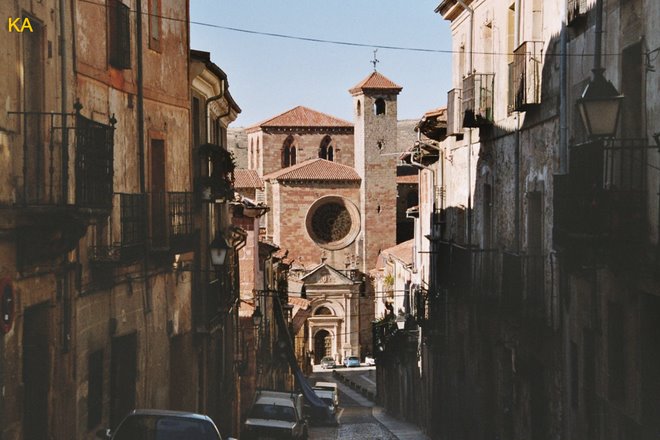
[[402, 251], [375, 81], [247, 179], [412, 179], [301, 117], [316, 169]]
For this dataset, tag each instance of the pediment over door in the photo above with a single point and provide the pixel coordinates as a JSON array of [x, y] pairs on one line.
[[327, 275]]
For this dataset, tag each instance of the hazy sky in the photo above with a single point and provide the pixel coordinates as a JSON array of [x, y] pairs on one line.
[[269, 75]]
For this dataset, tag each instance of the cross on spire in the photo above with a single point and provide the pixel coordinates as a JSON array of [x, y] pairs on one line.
[[375, 60]]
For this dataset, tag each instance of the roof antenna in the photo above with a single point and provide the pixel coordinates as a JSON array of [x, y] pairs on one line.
[[375, 60]]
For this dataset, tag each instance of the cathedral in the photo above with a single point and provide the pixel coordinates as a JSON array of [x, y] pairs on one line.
[[331, 186]]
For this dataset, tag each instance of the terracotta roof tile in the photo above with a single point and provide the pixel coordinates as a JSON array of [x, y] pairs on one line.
[[375, 80], [301, 117], [247, 179], [316, 169]]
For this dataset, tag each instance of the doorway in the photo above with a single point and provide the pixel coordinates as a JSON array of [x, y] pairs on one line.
[[322, 345], [36, 371], [123, 373]]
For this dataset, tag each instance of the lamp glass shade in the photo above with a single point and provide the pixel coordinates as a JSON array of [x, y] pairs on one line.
[[257, 316], [400, 322], [599, 106], [218, 249]]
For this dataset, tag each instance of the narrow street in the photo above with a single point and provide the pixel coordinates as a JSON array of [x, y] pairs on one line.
[[356, 415]]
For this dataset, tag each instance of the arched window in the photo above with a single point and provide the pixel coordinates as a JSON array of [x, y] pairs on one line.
[[358, 108], [251, 158], [331, 153], [326, 146], [287, 150], [323, 311], [379, 106]]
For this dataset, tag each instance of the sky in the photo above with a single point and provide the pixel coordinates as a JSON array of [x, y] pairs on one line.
[[270, 75]]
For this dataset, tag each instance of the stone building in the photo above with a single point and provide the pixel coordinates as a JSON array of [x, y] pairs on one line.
[[100, 238], [542, 303], [331, 190]]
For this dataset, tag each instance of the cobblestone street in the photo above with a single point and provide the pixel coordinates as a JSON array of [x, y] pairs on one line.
[[359, 418]]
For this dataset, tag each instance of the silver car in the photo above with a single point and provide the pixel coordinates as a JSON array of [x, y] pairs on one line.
[[146, 424]]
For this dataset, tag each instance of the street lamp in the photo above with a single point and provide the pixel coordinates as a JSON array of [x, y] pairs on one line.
[[600, 101], [599, 106], [400, 320], [218, 249], [257, 317]]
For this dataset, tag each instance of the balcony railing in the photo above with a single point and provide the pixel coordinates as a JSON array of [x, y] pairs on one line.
[[477, 107], [525, 76], [180, 208], [50, 176], [454, 114], [132, 221], [604, 197], [171, 221]]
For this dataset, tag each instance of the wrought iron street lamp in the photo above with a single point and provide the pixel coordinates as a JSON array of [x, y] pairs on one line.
[[600, 102], [257, 317], [400, 320], [218, 249]]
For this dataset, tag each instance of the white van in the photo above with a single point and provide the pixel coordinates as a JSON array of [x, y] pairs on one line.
[[330, 386]]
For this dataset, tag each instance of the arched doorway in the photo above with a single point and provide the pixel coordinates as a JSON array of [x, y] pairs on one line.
[[322, 345]]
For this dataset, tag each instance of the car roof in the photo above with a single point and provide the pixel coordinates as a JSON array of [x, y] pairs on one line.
[[169, 413], [353, 357]]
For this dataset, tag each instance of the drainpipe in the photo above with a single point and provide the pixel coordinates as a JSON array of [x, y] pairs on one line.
[[563, 94], [64, 109]]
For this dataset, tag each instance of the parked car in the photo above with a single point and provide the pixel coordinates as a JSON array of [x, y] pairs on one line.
[[162, 424], [328, 362], [276, 414], [352, 361], [327, 397], [329, 386], [370, 360]]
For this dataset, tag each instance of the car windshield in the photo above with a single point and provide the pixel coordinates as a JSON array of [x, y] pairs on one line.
[[153, 427], [353, 358], [273, 412], [327, 359]]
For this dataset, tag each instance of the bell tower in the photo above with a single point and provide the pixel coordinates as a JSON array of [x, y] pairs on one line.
[[375, 114]]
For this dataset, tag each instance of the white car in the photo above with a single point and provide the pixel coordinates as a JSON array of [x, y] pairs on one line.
[[370, 360]]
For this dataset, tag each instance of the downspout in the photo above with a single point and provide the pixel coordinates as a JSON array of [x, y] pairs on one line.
[[64, 108], [563, 169]]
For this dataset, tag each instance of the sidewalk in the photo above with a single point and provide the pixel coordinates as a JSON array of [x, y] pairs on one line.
[[363, 384]]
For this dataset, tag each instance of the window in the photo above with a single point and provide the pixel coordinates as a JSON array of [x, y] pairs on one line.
[[331, 153], [379, 106], [288, 152], [119, 35], [251, 158], [94, 389], [325, 150], [358, 108]]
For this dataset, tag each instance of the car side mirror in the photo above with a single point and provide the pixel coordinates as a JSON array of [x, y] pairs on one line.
[[104, 434]]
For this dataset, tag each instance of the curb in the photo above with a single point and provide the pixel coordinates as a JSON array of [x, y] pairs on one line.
[[354, 386]]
